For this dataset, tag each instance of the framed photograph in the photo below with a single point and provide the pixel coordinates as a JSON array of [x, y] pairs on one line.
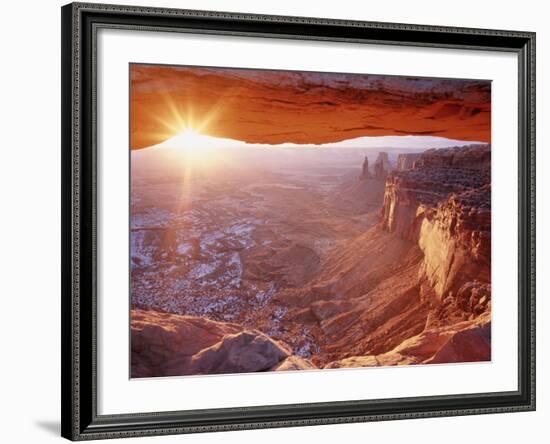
[[281, 221]]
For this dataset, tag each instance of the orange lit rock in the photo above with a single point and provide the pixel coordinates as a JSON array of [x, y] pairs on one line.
[[261, 106], [172, 345], [444, 203]]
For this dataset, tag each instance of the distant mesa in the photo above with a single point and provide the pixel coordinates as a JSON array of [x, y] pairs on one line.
[[382, 165]]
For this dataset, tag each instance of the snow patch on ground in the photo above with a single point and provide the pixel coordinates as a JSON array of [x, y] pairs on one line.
[[264, 296], [204, 269], [184, 248], [142, 249]]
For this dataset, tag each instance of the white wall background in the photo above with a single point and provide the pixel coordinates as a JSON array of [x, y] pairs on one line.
[[30, 220]]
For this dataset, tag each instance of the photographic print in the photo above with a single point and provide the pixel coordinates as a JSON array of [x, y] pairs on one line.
[[287, 220], [297, 212]]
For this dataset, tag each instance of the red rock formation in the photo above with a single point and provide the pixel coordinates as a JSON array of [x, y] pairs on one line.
[[165, 344], [405, 161], [365, 173], [416, 288], [467, 341], [247, 104], [444, 203], [381, 165], [366, 300]]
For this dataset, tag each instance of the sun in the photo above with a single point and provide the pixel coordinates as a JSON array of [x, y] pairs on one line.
[[189, 139], [194, 153], [183, 126]]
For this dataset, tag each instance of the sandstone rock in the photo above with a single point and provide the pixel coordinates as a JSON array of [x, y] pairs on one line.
[[365, 105], [443, 203], [172, 333], [410, 299], [381, 165], [406, 161], [246, 351], [354, 361], [165, 344], [363, 196], [365, 173], [468, 345], [325, 309], [294, 363], [301, 315], [294, 265], [462, 342]]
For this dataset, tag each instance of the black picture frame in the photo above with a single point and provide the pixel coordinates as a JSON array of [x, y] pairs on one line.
[[80, 22]]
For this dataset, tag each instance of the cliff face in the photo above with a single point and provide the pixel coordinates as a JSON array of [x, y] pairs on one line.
[[382, 165], [444, 204], [406, 161], [417, 287]]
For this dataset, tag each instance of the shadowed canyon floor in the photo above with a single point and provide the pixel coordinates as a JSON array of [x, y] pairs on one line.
[[293, 259]]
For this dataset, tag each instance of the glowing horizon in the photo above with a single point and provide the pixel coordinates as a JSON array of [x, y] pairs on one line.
[[192, 139]]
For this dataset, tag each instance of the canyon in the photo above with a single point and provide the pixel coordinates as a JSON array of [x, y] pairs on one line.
[[311, 258]]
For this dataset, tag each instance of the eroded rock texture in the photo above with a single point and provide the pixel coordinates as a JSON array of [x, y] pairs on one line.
[[417, 287], [405, 161], [165, 344], [444, 203], [382, 165], [247, 104]]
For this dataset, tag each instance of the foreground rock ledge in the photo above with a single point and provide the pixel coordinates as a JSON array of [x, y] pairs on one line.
[[172, 345]]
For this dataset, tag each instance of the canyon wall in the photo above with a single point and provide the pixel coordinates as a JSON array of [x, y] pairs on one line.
[[405, 161], [382, 165], [444, 204], [417, 287]]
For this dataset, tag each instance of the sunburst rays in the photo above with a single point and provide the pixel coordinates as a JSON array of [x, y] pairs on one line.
[[185, 128], [188, 125]]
